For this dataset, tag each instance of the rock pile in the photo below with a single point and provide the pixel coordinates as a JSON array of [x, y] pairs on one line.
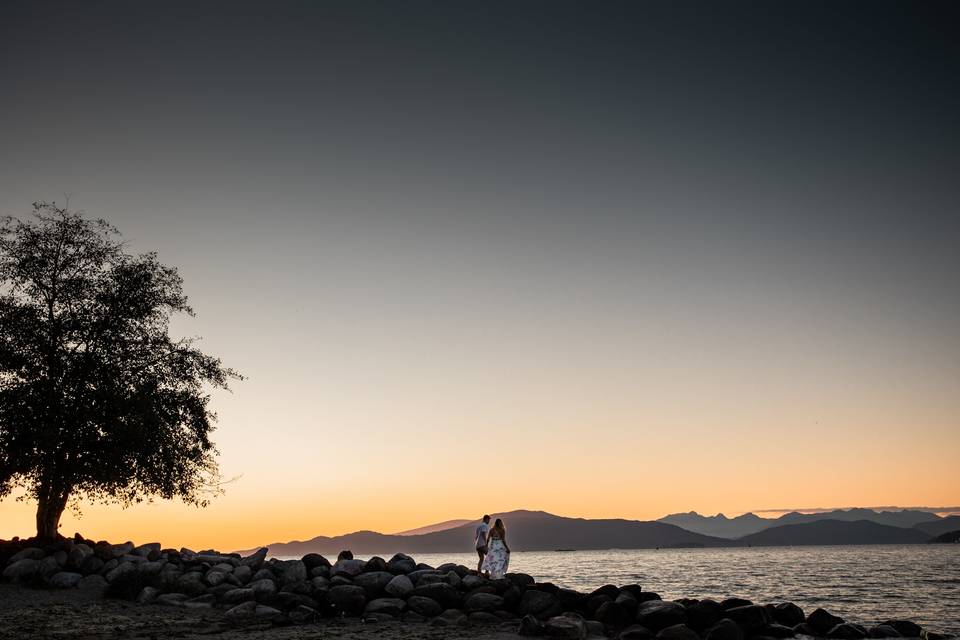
[[254, 589]]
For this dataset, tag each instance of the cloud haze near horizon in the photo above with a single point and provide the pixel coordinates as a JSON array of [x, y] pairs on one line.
[[618, 260]]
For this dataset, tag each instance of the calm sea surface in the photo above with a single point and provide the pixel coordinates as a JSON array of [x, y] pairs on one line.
[[865, 584]]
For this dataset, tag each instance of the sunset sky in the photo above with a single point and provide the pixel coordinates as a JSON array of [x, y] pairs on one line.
[[614, 260]]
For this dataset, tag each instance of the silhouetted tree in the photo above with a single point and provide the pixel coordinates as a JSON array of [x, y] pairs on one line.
[[97, 401]]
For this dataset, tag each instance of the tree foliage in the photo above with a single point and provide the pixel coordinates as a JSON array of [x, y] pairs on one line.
[[97, 401]]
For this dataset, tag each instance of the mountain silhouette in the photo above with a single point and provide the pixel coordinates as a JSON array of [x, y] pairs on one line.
[[526, 531], [939, 525], [749, 523], [719, 525], [830, 532]]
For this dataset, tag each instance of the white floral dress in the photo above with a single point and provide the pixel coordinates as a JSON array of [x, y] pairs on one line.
[[497, 559]]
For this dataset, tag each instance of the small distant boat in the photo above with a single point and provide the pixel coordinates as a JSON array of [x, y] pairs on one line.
[[564, 550]]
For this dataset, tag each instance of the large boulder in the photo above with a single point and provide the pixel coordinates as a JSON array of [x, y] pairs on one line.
[[724, 629], [822, 621], [236, 596], [788, 614], [401, 563], [255, 560], [450, 618], [703, 614], [347, 567], [659, 614], [483, 602], [399, 586], [530, 626], [313, 560], [635, 632], [906, 628], [566, 627], [520, 579], [426, 607], [678, 632], [243, 613], [376, 563], [385, 606], [847, 631], [730, 603], [612, 614], [374, 582], [540, 604], [263, 588], [348, 599], [291, 571], [446, 595], [22, 570], [65, 579], [751, 618], [883, 631], [776, 631]]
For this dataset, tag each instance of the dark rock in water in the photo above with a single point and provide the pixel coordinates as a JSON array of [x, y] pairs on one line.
[[538, 603], [635, 632], [566, 627], [530, 626], [304, 615], [775, 630], [647, 596], [703, 614], [883, 631], [570, 599], [520, 579], [805, 629], [345, 555], [678, 632], [609, 590], [724, 629], [847, 631], [450, 618], [348, 599], [483, 618], [401, 563], [657, 614], [788, 614], [633, 589], [595, 602], [731, 603], [612, 615], [447, 596], [376, 563], [387, 606], [822, 621], [374, 582], [546, 587], [751, 618], [628, 602], [905, 628], [427, 607], [483, 602], [314, 560]]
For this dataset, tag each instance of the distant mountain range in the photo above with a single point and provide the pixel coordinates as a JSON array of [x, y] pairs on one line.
[[723, 527], [541, 531], [527, 531], [834, 532]]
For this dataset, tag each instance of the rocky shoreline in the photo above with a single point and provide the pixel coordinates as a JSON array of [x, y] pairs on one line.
[[254, 590]]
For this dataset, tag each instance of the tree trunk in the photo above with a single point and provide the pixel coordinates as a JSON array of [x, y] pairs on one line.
[[50, 506]]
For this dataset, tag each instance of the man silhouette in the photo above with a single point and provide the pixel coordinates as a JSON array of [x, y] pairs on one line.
[[480, 541]]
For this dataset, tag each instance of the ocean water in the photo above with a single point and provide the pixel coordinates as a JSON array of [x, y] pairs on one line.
[[864, 584]]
